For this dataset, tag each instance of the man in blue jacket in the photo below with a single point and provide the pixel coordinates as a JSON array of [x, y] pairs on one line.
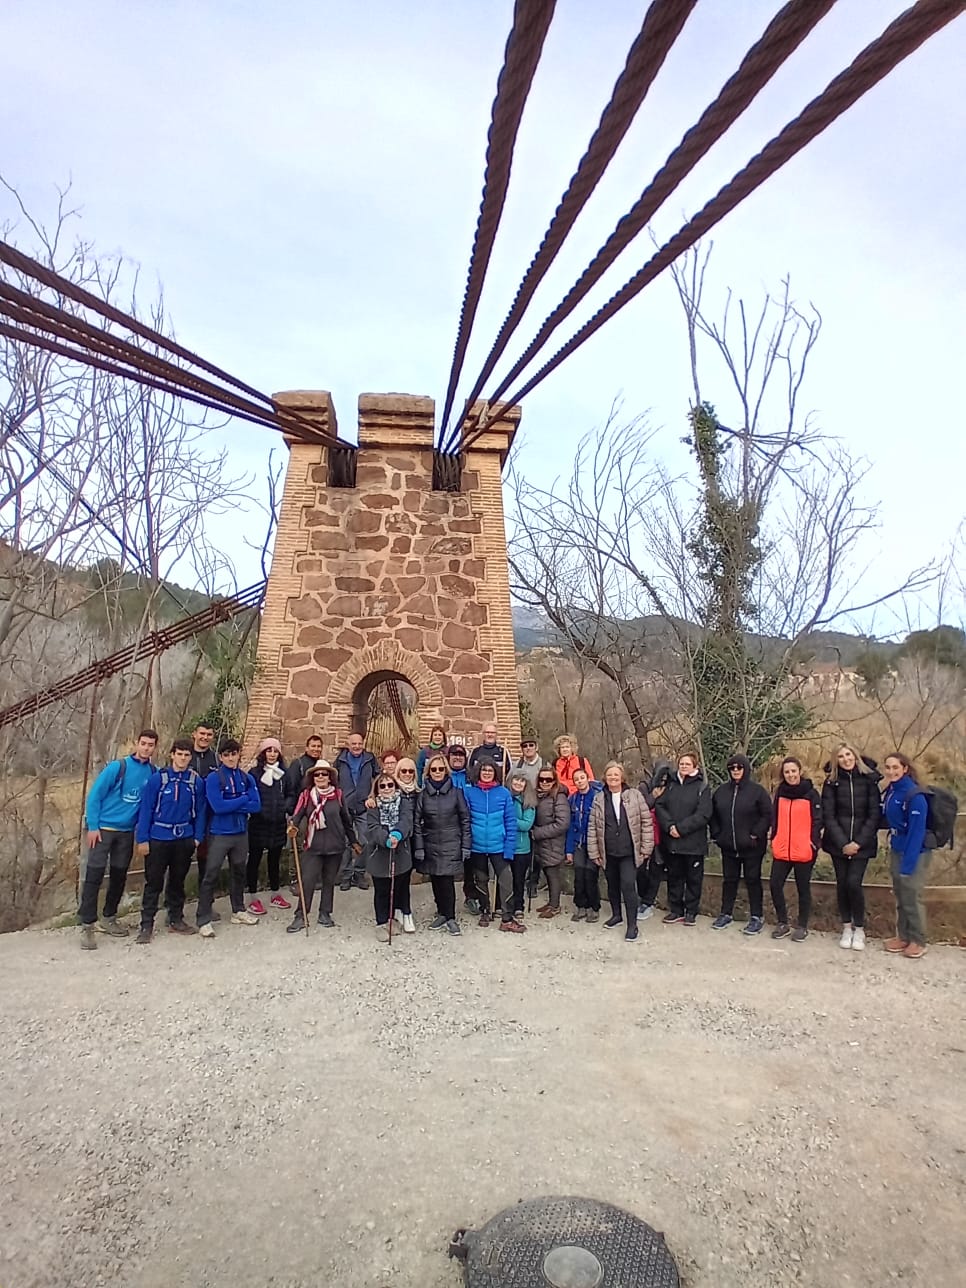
[[232, 796], [171, 821], [112, 810]]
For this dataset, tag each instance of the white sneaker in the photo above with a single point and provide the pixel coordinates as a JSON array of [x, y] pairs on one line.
[[244, 919], [858, 938], [207, 931], [644, 911], [847, 937], [398, 918], [408, 924]]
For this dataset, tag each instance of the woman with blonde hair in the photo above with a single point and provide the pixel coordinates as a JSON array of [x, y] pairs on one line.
[[405, 776], [620, 839], [851, 817], [567, 761]]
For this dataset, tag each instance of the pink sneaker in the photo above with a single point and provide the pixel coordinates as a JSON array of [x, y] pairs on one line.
[[278, 901], [257, 908]]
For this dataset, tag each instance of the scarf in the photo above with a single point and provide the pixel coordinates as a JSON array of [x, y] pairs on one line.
[[271, 774], [389, 811], [317, 800]]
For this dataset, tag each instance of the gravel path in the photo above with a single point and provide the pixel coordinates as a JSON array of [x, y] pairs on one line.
[[270, 1110]]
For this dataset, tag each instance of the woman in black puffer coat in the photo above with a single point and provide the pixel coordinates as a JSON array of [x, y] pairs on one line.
[[441, 839], [266, 830], [851, 816]]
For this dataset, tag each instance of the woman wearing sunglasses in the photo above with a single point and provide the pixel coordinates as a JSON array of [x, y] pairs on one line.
[[388, 832], [441, 840], [549, 836], [406, 777], [328, 828]]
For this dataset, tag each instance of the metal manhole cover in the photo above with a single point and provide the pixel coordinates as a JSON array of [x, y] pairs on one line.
[[565, 1243]]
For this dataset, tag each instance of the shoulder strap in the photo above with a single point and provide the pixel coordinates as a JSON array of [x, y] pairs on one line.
[[121, 771]]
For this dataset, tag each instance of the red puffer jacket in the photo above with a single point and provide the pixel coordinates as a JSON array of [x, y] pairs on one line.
[[796, 828]]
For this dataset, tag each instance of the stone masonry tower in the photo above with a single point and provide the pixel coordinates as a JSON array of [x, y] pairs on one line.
[[386, 578]]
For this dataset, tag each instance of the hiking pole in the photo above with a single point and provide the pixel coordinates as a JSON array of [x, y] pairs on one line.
[[530, 883], [298, 877], [392, 889]]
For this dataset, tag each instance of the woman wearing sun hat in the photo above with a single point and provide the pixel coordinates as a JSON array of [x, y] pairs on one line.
[[327, 828]]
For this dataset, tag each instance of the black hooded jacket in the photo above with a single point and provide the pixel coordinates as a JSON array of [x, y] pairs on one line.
[[441, 837], [852, 811], [741, 814], [686, 806]]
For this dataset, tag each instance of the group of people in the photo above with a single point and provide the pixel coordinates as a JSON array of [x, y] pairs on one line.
[[459, 816]]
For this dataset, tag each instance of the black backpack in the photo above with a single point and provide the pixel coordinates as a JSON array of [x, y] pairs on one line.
[[942, 808]]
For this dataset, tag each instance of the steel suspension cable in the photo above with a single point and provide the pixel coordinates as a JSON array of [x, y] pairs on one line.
[[778, 41], [531, 22], [900, 39], [27, 310], [661, 27], [40, 273]]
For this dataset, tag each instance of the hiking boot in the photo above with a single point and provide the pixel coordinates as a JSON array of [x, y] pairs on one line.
[[408, 925], [549, 913], [645, 911], [257, 908], [181, 928], [782, 931], [453, 927], [244, 919], [295, 925], [755, 926], [485, 920], [914, 951], [207, 931], [798, 934], [722, 922], [473, 907], [326, 921], [345, 885], [896, 945], [145, 935], [593, 914], [847, 936], [858, 938], [87, 937], [382, 933], [109, 926], [616, 920], [438, 923], [673, 919], [579, 915], [513, 926], [543, 908], [690, 919], [360, 882], [631, 932], [279, 901]]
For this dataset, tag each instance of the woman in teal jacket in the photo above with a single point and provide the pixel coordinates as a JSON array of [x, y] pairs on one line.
[[525, 804]]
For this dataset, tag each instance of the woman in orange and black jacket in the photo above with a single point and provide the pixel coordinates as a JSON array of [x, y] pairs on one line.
[[796, 831]]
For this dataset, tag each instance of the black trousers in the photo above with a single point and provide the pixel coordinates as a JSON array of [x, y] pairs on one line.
[[780, 869], [849, 875], [234, 848], [732, 864], [257, 844], [649, 878], [587, 887], [111, 853], [400, 896], [521, 867], [621, 875], [685, 877], [171, 859], [503, 871], [319, 872], [469, 879], [444, 892]]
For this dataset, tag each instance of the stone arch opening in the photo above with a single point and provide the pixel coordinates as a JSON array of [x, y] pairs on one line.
[[385, 710]]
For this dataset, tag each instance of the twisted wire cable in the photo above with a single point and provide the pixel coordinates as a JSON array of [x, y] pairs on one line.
[[531, 22]]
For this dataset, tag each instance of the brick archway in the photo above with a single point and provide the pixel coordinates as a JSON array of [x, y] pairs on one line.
[[381, 660]]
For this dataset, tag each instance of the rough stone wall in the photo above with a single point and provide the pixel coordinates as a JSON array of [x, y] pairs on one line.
[[387, 579]]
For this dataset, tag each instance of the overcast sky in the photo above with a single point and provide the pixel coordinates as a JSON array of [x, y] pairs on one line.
[[304, 180]]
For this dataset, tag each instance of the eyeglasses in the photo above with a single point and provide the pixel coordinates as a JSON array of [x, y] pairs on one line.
[[541, 779], [528, 744], [437, 769], [387, 787], [407, 773], [321, 773]]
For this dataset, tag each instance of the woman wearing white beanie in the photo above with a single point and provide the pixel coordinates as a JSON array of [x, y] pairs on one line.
[[266, 831]]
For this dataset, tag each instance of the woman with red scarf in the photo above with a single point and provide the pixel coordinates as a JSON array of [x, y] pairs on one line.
[[326, 827]]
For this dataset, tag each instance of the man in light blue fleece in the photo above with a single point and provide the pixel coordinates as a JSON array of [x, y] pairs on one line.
[[112, 812]]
